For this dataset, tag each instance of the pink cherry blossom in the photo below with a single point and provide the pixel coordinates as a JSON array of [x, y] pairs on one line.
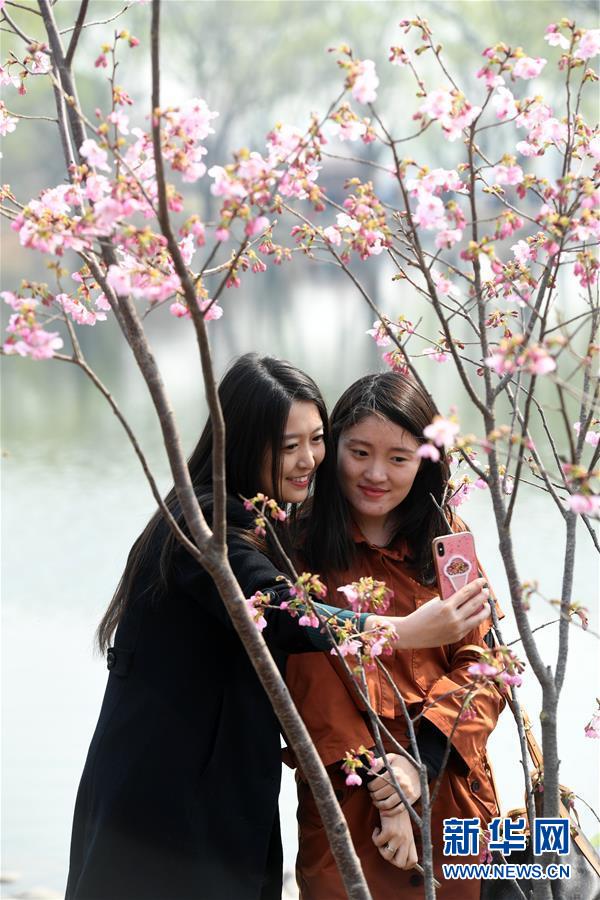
[[448, 237], [584, 504], [351, 595], [589, 45], [7, 79], [538, 361], [508, 174], [555, 38], [332, 235], [94, 154], [437, 104], [529, 150], [364, 88], [349, 647], [591, 437], [514, 680], [222, 234], [119, 280], [436, 353], [491, 79], [436, 181], [256, 226], [442, 431], [527, 67], [398, 56], [504, 103], [96, 186], [186, 245], [451, 109], [349, 130], [482, 668], [40, 63], [430, 212], [346, 221], [428, 451], [461, 494], [118, 118], [78, 311], [225, 185], [523, 252], [26, 336], [309, 620], [592, 729], [211, 310], [8, 123], [443, 284], [256, 607], [500, 363], [378, 332], [353, 780]]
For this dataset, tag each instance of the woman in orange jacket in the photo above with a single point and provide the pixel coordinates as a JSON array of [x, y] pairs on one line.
[[373, 516]]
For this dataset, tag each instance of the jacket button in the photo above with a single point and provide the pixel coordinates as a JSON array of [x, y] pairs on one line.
[[475, 785], [415, 880], [111, 659]]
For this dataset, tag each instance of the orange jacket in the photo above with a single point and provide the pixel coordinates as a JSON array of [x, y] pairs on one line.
[[427, 679]]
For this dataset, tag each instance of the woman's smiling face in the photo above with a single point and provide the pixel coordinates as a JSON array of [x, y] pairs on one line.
[[302, 451], [377, 465]]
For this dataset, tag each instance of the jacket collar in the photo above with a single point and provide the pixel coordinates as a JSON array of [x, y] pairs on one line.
[[398, 550]]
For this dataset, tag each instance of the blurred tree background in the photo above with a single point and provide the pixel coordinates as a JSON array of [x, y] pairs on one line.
[[256, 63]]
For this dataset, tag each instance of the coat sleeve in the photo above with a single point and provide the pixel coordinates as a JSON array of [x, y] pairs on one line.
[[255, 572], [444, 700]]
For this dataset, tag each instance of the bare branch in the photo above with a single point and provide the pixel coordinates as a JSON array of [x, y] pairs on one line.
[[77, 31]]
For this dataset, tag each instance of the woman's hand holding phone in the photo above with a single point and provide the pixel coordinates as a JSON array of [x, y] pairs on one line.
[[438, 622]]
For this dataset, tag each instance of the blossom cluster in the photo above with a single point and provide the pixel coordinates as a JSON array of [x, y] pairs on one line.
[[360, 760], [264, 507], [592, 729], [500, 665], [367, 595]]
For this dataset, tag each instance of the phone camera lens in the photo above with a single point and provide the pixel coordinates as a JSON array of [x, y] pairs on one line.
[[440, 548]]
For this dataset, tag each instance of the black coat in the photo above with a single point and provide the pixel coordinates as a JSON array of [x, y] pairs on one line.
[[178, 798]]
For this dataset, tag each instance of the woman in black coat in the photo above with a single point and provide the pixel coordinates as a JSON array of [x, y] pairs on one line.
[[178, 798]]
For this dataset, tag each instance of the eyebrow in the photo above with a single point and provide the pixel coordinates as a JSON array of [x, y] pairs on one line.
[[286, 437], [391, 449]]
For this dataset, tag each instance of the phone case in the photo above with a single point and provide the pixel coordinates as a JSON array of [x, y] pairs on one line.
[[455, 562]]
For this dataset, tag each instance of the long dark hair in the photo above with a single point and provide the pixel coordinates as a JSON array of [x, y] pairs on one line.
[[327, 540], [256, 395]]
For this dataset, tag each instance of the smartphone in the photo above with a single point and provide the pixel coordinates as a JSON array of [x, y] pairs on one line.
[[455, 562]]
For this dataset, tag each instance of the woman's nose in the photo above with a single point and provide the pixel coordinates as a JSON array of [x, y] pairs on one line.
[[306, 460], [375, 472]]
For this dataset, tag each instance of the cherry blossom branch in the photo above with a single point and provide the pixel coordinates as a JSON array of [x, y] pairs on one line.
[[517, 711], [79, 361], [102, 22], [34, 118], [216, 413], [22, 6], [533, 630], [430, 284], [438, 781], [77, 31], [15, 28], [365, 295]]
